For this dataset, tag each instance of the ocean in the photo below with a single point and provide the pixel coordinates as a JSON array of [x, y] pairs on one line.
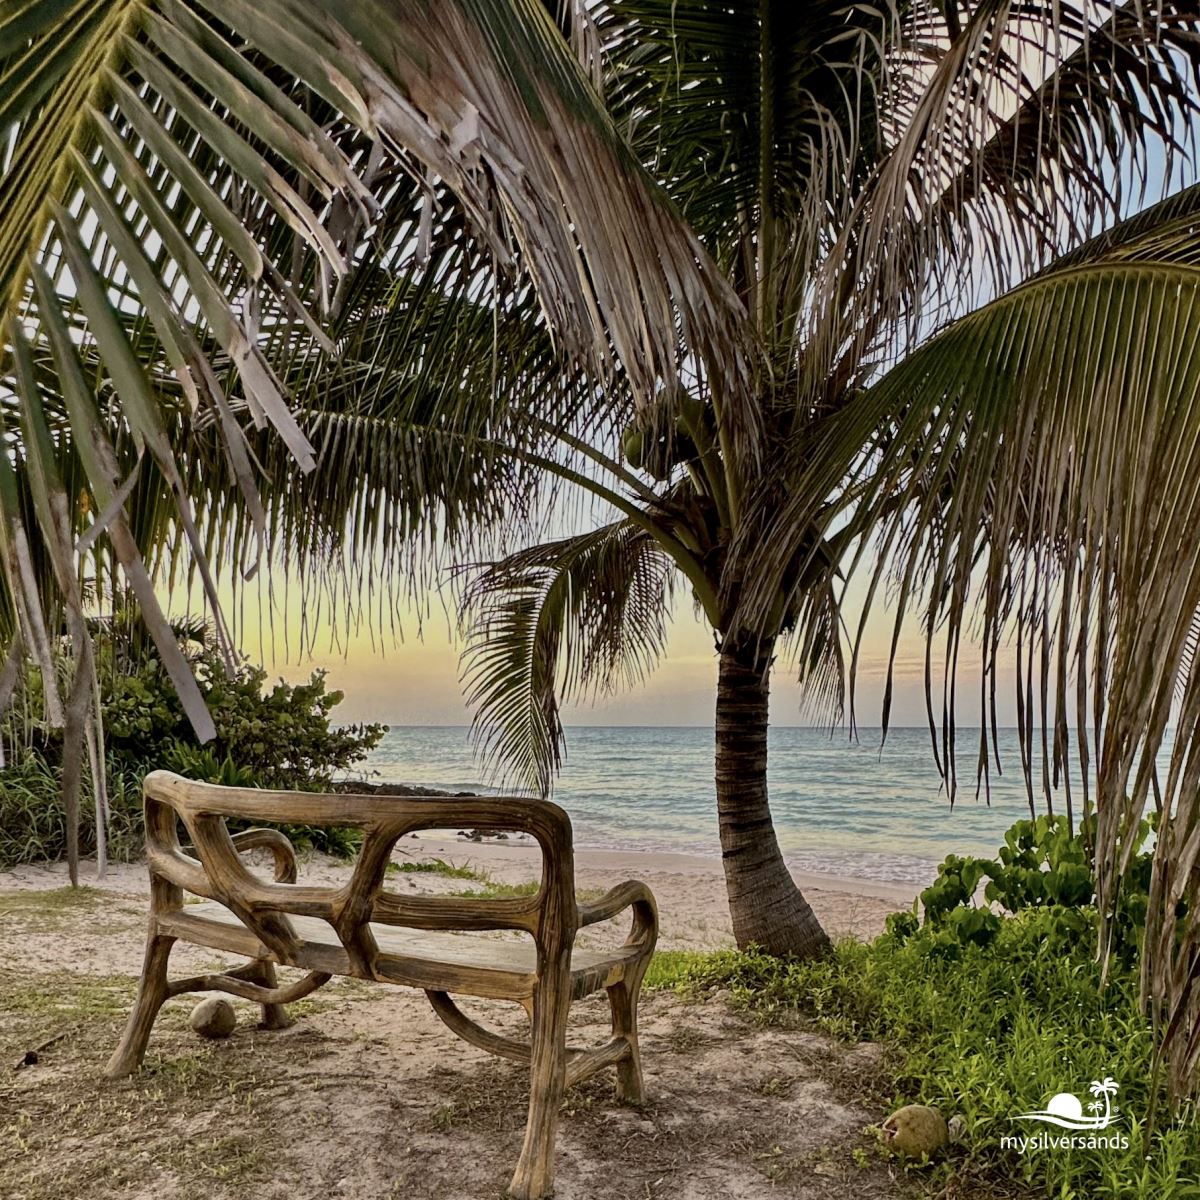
[[840, 807]]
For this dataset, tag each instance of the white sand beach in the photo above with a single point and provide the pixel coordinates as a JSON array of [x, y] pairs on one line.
[[690, 889]]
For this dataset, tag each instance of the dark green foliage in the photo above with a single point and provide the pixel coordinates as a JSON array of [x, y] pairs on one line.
[[1041, 866], [276, 738], [1041, 863], [280, 737]]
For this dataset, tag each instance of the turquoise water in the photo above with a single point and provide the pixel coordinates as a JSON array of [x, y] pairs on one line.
[[840, 807]]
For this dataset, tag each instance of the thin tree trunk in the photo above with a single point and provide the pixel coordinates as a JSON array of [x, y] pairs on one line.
[[764, 902], [72, 763]]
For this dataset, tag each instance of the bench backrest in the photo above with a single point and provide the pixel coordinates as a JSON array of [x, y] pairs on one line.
[[218, 872]]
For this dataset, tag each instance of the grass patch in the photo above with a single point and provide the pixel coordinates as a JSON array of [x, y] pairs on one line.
[[491, 889], [983, 1032], [60, 899], [437, 866], [46, 910]]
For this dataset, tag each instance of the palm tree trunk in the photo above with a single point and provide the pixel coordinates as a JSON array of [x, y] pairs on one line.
[[766, 906]]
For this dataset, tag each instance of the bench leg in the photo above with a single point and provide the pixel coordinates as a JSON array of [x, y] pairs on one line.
[[274, 1016], [152, 991], [534, 1176], [622, 999]]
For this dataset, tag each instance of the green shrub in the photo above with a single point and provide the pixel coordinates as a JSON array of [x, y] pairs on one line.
[[987, 1014], [1043, 866], [281, 737]]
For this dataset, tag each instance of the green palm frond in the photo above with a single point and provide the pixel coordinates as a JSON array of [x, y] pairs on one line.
[[426, 401], [216, 169], [560, 621], [1166, 232], [1036, 468]]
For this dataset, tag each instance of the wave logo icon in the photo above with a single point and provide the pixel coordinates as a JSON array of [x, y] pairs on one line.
[[1067, 1111]]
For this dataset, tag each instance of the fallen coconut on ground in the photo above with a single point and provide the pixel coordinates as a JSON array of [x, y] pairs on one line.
[[916, 1130], [213, 1018]]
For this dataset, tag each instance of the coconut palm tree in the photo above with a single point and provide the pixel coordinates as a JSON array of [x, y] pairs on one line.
[[760, 278]]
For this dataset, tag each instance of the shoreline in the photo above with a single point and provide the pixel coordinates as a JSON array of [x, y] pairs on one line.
[[502, 855]]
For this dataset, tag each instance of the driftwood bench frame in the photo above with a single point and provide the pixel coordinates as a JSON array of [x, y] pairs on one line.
[[272, 924]]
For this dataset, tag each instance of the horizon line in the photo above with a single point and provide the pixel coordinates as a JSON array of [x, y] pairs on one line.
[[695, 725]]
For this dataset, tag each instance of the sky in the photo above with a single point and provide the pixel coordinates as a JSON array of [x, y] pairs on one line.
[[413, 679]]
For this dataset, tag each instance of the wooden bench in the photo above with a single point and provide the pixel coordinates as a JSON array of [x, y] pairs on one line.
[[365, 931]]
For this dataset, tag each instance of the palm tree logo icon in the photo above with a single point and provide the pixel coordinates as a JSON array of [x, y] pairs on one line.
[[1067, 1110]]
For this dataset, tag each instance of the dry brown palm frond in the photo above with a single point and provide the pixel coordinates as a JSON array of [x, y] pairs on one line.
[[1036, 468]]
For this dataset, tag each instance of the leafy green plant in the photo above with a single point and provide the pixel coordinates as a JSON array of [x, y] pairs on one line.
[[281, 737], [1042, 865], [199, 762], [33, 824]]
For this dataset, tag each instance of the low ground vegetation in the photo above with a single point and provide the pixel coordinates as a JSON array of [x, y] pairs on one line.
[[988, 1011]]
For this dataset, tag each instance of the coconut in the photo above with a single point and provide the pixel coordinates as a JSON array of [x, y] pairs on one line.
[[213, 1018], [916, 1130]]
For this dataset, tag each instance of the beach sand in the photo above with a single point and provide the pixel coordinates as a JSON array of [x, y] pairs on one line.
[[690, 889], [368, 1095]]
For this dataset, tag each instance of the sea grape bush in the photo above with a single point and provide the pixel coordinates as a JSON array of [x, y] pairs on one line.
[[1043, 865], [278, 737]]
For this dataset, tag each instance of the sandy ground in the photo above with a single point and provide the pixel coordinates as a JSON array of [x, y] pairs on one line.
[[368, 1095], [690, 889]]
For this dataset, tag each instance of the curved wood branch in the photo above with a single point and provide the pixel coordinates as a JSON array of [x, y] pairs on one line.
[[635, 895], [458, 1022], [582, 1064], [284, 853], [235, 985]]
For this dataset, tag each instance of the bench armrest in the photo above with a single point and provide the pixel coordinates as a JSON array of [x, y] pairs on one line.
[[282, 850], [635, 895]]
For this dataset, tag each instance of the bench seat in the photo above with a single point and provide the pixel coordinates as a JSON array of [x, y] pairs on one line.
[[519, 948], [500, 967]]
